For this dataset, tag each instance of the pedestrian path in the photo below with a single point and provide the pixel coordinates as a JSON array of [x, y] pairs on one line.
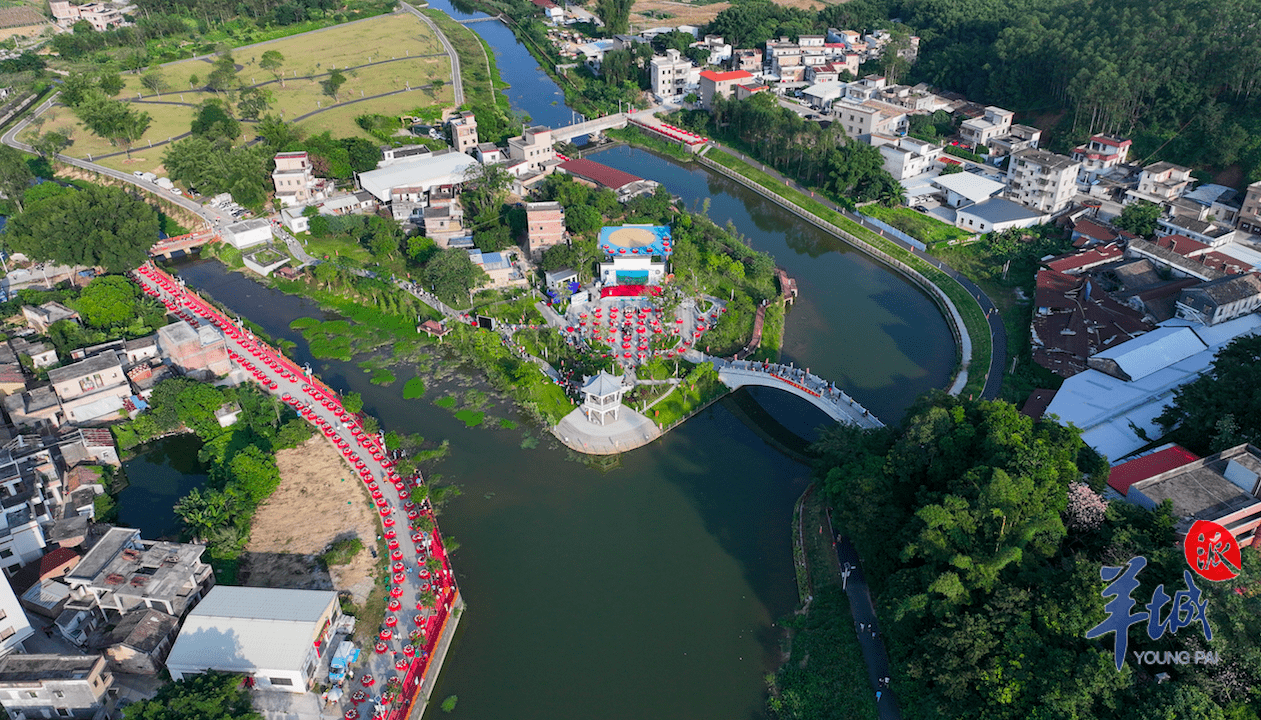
[[396, 674]]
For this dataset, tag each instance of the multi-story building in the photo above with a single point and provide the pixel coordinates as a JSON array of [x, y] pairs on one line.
[[200, 353], [1220, 300], [91, 389], [906, 157], [56, 686], [1222, 488], [1019, 137], [295, 181], [545, 226], [101, 16], [995, 123], [749, 61], [14, 627], [1100, 154], [123, 572], [534, 146], [869, 117], [1161, 183], [1042, 180], [669, 74], [1250, 212], [463, 127]]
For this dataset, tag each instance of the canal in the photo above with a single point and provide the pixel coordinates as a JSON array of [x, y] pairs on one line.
[[650, 589]]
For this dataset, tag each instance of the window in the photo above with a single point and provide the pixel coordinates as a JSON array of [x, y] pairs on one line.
[[280, 681], [58, 694], [7, 633], [6, 553], [62, 712]]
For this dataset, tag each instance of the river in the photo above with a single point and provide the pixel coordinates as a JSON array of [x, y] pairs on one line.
[[649, 590]]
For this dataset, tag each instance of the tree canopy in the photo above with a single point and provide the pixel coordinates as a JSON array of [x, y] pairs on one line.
[[1221, 408], [96, 225], [208, 695], [452, 275]]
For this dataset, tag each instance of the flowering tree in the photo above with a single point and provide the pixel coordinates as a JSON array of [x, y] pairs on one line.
[[1085, 509]]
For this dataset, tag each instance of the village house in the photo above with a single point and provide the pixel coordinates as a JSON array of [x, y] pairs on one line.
[[1250, 214], [748, 61], [1220, 300], [40, 317], [545, 227], [295, 181], [1220, 488], [720, 84], [14, 627], [996, 215], [463, 127], [906, 157], [56, 686], [534, 146], [995, 123], [247, 233], [200, 353], [1042, 180], [41, 354], [1161, 183], [91, 390], [1100, 154], [101, 16], [965, 188], [139, 643], [669, 74]]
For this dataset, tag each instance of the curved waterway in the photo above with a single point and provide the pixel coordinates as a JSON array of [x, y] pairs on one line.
[[649, 590]]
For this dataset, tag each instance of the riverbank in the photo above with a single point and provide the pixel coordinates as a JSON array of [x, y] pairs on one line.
[[963, 313]]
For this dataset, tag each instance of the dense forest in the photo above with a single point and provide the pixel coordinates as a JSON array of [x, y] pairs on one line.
[[982, 536], [1178, 78]]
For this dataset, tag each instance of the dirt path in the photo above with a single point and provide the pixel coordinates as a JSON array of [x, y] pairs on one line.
[[318, 501]]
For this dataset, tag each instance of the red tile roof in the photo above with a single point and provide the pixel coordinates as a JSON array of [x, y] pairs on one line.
[[1086, 260], [1094, 230], [723, 76], [1225, 263], [597, 173], [1128, 473], [56, 560], [1182, 245], [545, 4], [1104, 139]]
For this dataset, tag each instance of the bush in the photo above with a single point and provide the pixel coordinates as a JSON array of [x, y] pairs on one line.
[[341, 552]]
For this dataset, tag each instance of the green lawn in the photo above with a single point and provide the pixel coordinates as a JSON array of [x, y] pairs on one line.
[[973, 318], [928, 230], [685, 400]]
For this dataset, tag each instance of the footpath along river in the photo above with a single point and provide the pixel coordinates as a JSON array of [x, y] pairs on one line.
[[649, 591]]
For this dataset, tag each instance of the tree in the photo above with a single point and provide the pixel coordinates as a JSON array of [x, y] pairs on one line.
[[50, 144], [582, 219], [15, 175], [254, 474], [155, 81], [615, 14], [214, 166], [353, 402], [213, 122], [451, 275], [223, 76], [1221, 408], [272, 61], [333, 83], [253, 102], [1139, 218], [363, 153], [420, 248], [951, 169], [119, 122], [107, 301], [206, 695], [96, 225], [557, 257]]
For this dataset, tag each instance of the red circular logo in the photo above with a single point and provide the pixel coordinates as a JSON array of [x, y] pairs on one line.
[[1212, 551]]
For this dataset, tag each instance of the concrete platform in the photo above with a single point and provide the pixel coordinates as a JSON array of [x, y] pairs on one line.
[[632, 430]]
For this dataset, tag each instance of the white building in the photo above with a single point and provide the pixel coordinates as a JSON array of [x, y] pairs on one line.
[[669, 74], [632, 271], [534, 146], [995, 123], [965, 188], [272, 635], [906, 157], [1117, 400], [1042, 180], [425, 172], [294, 220], [247, 233], [14, 627], [996, 215]]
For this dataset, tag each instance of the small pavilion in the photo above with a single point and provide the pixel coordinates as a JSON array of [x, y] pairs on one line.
[[602, 398]]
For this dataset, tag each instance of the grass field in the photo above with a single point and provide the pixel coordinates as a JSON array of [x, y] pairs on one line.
[[924, 228], [310, 56]]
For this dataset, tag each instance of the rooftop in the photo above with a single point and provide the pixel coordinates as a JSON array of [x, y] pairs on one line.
[[426, 171], [1141, 468], [600, 174], [247, 225], [999, 210], [94, 364], [969, 185], [1208, 488], [1046, 159], [716, 76], [1229, 289], [142, 629], [26, 669], [602, 384], [124, 564]]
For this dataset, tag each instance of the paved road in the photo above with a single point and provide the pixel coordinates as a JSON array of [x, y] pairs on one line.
[[998, 332], [211, 215], [456, 81]]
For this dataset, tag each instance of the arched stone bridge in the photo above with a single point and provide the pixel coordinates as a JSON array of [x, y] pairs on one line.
[[811, 388]]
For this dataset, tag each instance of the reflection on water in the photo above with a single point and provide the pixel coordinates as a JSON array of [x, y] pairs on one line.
[[162, 472]]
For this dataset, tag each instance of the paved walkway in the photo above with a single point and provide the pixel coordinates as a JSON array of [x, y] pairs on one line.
[[869, 637], [421, 571], [998, 332], [631, 430], [457, 82]]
